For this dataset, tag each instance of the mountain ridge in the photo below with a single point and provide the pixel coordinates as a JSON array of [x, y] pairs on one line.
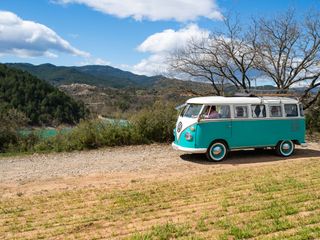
[[98, 75]]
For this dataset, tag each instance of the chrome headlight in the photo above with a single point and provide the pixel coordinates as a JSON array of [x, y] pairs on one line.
[[188, 136]]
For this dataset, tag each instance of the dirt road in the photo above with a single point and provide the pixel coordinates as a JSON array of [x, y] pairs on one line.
[[121, 165]]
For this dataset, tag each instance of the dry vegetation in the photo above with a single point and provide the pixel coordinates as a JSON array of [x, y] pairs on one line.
[[267, 201], [123, 103]]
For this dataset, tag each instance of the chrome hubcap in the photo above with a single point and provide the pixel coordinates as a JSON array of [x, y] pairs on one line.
[[286, 146], [217, 150]]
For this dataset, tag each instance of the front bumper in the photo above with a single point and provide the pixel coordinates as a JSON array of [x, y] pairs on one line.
[[304, 145], [189, 150]]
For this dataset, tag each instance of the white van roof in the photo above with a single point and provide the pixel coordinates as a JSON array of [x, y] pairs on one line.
[[241, 100]]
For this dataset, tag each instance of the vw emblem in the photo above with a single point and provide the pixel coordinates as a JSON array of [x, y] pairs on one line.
[[179, 127]]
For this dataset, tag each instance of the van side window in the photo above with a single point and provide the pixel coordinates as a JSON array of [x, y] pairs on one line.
[[258, 111], [216, 111], [291, 110], [225, 111], [301, 110], [240, 111], [275, 111]]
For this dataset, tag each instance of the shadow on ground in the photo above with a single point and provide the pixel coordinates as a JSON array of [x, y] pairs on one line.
[[251, 156]]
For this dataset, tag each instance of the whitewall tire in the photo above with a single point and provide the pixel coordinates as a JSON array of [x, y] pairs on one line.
[[217, 151], [285, 148]]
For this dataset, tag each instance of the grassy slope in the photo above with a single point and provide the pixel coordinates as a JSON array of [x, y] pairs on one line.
[[278, 201]]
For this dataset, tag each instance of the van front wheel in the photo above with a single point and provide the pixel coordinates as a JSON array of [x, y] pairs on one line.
[[217, 151], [285, 148]]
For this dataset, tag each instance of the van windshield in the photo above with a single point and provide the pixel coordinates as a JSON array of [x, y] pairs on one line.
[[191, 110]]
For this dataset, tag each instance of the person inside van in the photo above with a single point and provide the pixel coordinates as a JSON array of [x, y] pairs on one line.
[[239, 112], [213, 112]]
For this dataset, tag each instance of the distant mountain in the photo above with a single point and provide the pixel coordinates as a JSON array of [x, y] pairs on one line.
[[302, 89], [111, 72], [110, 91], [41, 102], [96, 75]]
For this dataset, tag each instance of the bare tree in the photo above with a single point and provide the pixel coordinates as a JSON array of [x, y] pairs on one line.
[[221, 58], [195, 62], [284, 50], [288, 52]]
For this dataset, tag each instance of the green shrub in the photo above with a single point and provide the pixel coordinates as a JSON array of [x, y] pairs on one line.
[[156, 123], [150, 125], [25, 143], [7, 138], [10, 121], [91, 134], [313, 119]]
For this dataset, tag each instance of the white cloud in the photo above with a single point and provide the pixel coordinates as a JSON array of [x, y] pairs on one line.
[[154, 65], [24, 38], [169, 39], [160, 45], [179, 10]]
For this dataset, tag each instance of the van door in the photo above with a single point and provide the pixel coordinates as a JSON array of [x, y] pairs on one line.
[[215, 123], [241, 127], [250, 130]]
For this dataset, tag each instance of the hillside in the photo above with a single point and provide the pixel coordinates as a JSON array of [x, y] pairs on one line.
[[113, 102], [37, 99], [113, 92], [102, 76]]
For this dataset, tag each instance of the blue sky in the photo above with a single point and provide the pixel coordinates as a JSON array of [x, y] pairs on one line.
[[129, 34]]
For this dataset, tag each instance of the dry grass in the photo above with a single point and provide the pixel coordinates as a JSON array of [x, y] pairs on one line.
[[279, 201]]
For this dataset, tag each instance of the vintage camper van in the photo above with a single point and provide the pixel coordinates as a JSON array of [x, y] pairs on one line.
[[216, 125]]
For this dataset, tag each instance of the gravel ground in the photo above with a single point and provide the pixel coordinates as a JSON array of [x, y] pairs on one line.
[[155, 158]]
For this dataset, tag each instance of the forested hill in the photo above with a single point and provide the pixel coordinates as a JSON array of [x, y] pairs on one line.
[[96, 75], [37, 99]]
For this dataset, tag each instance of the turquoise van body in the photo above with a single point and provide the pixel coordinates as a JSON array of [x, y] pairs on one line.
[[244, 134], [196, 136]]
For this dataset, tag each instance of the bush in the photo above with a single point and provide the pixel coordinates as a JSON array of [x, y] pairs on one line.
[[25, 143], [156, 124], [10, 120], [7, 138], [91, 134], [313, 118], [150, 125]]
